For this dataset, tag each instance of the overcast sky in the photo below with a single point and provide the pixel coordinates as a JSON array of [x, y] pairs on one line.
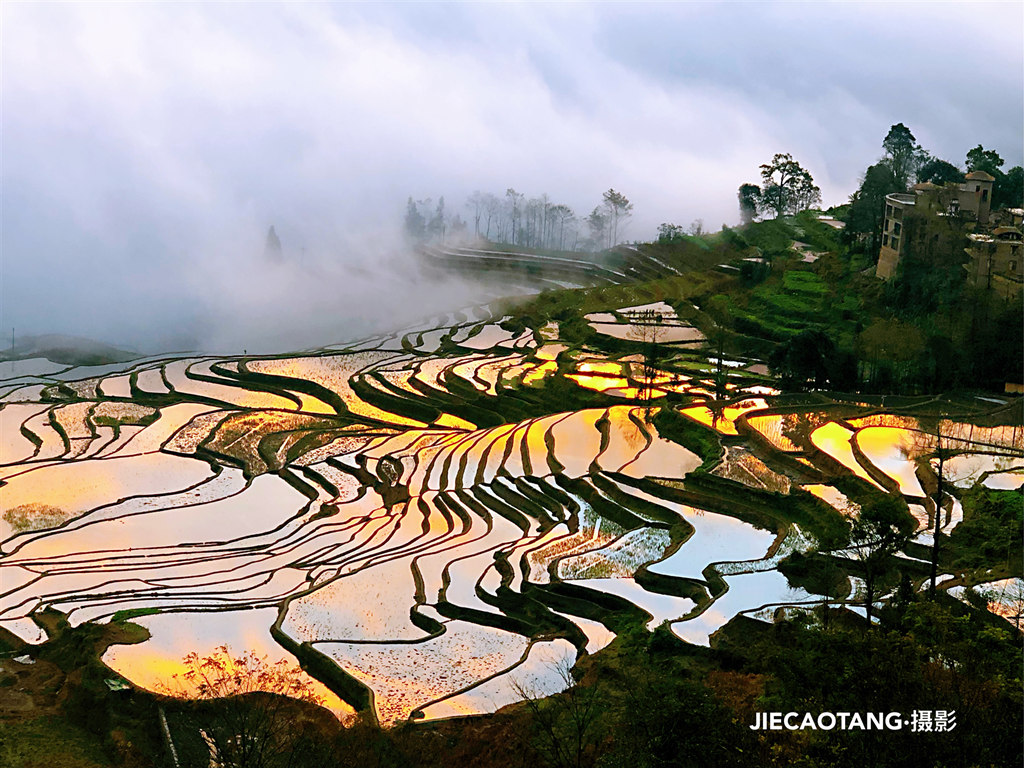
[[146, 148]]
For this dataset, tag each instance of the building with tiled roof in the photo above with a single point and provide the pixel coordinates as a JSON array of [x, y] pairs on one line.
[[933, 213]]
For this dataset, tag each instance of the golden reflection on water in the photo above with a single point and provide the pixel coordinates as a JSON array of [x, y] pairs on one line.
[[540, 372], [834, 439], [772, 428], [551, 351], [835, 498], [448, 420], [453, 453], [406, 676], [77, 487], [599, 375], [154, 663], [723, 420], [893, 450]]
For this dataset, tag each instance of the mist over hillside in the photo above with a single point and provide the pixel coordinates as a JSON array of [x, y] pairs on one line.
[[148, 149]]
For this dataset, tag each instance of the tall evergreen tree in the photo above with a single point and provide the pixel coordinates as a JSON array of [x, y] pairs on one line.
[[619, 209], [939, 172], [415, 226], [867, 205], [750, 197], [903, 154], [272, 249]]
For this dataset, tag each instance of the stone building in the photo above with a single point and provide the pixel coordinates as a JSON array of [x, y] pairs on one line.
[[995, 261], [933, 218], [898, 208]]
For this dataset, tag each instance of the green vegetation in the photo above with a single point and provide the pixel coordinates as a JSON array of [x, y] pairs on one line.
[[989, 538], [786, 188], [126, 614], [50, 740], [689, 434], [34, 517], [790, 291]]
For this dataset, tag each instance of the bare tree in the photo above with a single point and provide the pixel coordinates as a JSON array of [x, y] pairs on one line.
[[514, 199], [648, 327], [941, 453], [881, 530], [477, 203], [597, 223], [563, 214], [254, 722], [566, 723], [619, 210], [492, 209]]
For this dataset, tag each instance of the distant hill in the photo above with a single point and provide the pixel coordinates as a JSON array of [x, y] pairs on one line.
[[68, 350]]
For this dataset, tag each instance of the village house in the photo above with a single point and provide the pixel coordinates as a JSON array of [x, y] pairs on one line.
[[995, 261], [932, 217], [938, 212]]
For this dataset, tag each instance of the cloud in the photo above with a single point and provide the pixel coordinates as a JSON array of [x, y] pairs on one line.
[[147, 147]]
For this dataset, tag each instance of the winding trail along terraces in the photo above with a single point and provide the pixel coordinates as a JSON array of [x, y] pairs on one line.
[[429, 520]]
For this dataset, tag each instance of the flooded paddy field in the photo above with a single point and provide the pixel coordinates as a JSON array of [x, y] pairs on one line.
[[448, 515]]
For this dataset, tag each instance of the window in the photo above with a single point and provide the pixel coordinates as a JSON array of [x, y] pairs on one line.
[[984, 195], [885, 239], [896, 229], [977, 187], [895, 244], [1013, 266]]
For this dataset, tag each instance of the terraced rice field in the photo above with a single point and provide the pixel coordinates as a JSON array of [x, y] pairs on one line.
[[413, 512]]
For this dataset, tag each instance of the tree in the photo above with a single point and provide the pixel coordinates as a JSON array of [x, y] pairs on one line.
[[648, 327], [1008, 187], [788, 187], [415, 225], [804, 358], [492, 209], [867, 205], [436, 227], [881, 530], [666, 721], [272, 250], [806, 194], [987, 160], [903, 154], [991, 531], [750, 199], [1008, 191], [890, 350], [939, 172], [941, 453], [457, 226], [254, 720], [477, 203], [619, 210], [562, 214], [597, 223], [670, 233], [566, 724], [514, 199]]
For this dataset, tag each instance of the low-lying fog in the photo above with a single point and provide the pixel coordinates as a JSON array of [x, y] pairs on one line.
[[147, 148]]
